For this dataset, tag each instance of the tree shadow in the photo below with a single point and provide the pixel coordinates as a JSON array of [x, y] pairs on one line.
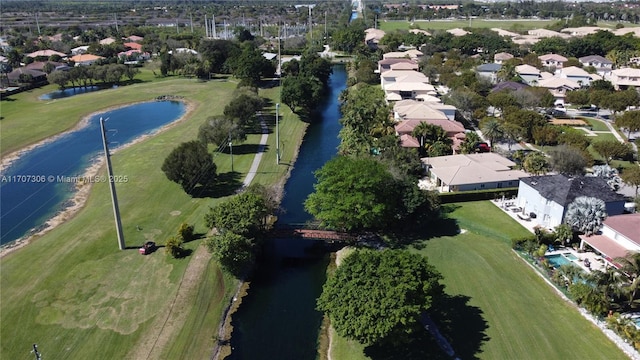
[[416, 235], [225, 184], [461, 325], [244, 149]]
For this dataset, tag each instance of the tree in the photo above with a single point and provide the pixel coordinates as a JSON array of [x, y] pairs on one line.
[[611, 149], [578, 97], [586, 214], [492, 129], [250, 65], [173, 247], [353, 194], [630, 268], [244, 105], [301, 92], [471, 140], [631, 177], [378, 296], [535, 163], [630, 121], [567, 160], [219, 130], [190, 165], [244, 214], [234, 252]]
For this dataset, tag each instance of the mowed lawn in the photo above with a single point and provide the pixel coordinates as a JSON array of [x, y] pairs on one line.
[[500, 308], [74, 293], [519, 25]]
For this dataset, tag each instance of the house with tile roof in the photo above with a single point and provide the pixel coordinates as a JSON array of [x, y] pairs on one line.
[[133, 46], [549, 196], [578, 75], [558, 87], [546, 33], [45, 53], [405, 84], [420, 31], [583, 30], [602, 65], [468, 172], [385, 65], [625, 77], [529, 74], [373, 36], [509, 86], [458, 32], [408, 54], [107, 41], [620, 235], [552, 60], [505, 33], [501, 57], [85, 59], [135, 38]]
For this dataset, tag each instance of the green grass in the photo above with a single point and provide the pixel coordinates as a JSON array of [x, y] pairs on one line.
[[72, 291], [511, 25], [500, 308], [596, 125]]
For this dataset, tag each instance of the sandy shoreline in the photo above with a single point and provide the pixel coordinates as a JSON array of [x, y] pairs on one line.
[[79, 198]]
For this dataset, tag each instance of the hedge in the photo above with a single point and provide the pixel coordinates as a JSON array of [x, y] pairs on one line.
[[477, 195]]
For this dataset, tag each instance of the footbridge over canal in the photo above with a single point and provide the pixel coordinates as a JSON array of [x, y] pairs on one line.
[[326, 235]]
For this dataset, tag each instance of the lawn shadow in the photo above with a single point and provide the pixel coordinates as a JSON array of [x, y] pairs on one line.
[[442, 226], [461, 325], [244, 149], [224, 185]]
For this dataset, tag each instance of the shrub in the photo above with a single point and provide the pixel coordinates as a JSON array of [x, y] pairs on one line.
[[173, 247], [185, 232]]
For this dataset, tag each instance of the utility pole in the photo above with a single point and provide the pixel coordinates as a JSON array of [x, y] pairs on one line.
[[277, 134], [37, 23], [115, 17], [36, 352], [112, 187], [231, 150], [191, 20], [206, 27]]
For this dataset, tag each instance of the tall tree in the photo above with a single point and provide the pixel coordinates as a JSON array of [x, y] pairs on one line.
[[378, 296], [631, 270], [492, 129], [353, 194], [631, 177], [630, 121], [586, 214], [567, 160], [190, 165], [611, 149]]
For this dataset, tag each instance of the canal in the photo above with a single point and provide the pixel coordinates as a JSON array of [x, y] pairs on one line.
[[41, 181], [277, 319]]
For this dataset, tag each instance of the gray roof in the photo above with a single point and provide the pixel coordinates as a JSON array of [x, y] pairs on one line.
[[597, 58], [563, 190], [509, 85], [489, 67]]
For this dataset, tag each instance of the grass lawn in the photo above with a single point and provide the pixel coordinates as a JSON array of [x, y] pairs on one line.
[[500, 308], [596, 125], [72, 291], [512, 25]]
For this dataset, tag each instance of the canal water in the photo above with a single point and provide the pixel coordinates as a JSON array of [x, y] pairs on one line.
[[277, 319], [38, 184]]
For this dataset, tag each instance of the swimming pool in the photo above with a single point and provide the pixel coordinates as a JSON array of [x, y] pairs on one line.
[[557, 260], [570, 256]]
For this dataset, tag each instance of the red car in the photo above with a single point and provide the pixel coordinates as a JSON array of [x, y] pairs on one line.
[[483, 147]]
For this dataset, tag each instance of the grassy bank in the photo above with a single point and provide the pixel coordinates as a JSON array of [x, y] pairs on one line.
[[500, 308], [513, 25], [72, 291]]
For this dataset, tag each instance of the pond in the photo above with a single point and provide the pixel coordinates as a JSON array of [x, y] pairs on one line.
[[42, 180]]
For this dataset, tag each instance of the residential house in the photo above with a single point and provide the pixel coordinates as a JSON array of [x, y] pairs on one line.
[[85, 59], [373, 36], [505, 33], [412, 54], [558, 87], [583, 30], [578, 75], [489, 71], [45, 53], [625, 77], [183, 51], [468, 172], [547, 197], [620, 235], [501, 57], [602, 65], [529, 74], [510, 86], [635, 31], [420, 31], [552, 61], [410, 113], [131, 57], [385, 65], [458, 32], [107, 41], [79, 50], [21, 75], [545, 33], [134, 38], [133, 46], [405, 84]]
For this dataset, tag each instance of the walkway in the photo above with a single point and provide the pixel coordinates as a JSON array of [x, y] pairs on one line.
[[256, 160], [314, 234]]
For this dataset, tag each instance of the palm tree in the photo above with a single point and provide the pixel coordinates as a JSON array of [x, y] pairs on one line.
[[630, 267], [586, 214], [470, 141], [492, 129]]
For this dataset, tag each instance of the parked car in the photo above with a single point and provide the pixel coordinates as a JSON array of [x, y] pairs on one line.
[[483, 147]]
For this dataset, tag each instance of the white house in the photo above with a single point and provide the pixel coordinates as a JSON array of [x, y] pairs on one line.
[[501, 57], [578, 75], [552, 60], [467, 172], [625, 77], [558, 87], [529, 74], [602, 65], [620, 234], [546, 198], [489, 71]]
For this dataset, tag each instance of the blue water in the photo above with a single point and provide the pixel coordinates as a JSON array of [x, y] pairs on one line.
[[32, 190], [59, 94], [277, 319], [557, 260]]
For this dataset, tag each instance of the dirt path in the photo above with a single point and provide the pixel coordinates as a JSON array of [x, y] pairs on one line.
[[172, 318]]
